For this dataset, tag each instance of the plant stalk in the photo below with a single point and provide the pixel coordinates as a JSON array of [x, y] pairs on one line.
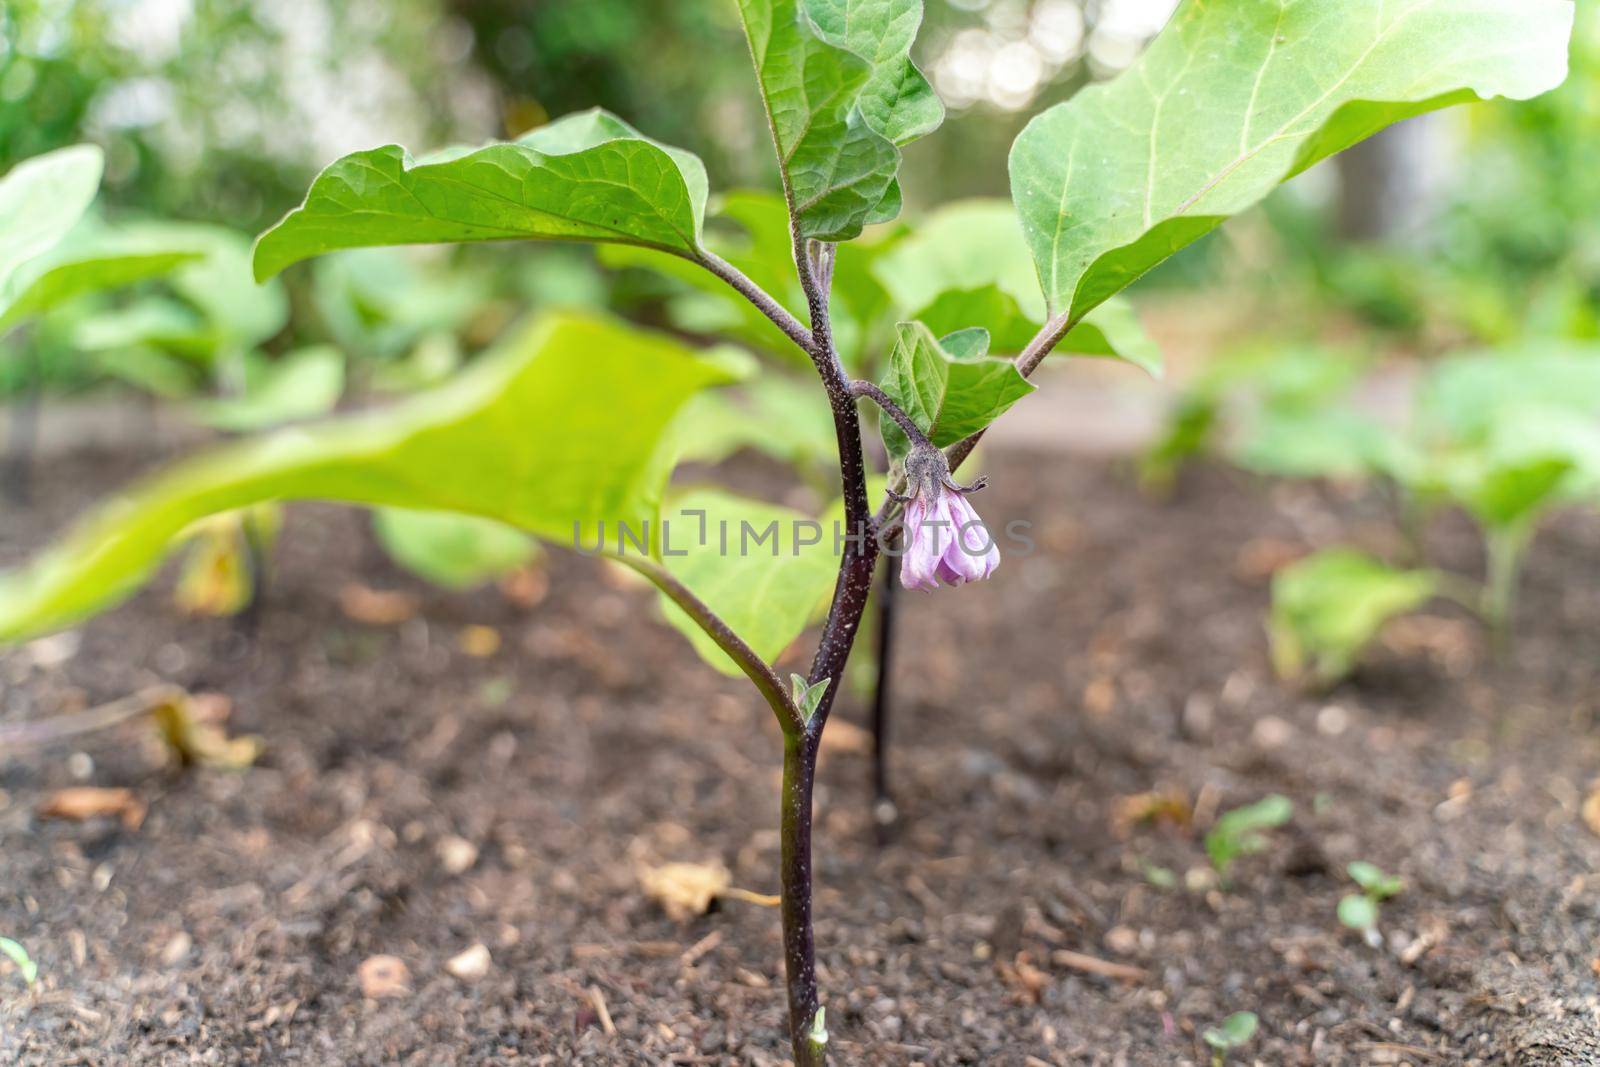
[[883, 807], [23, 441], [799, 947], [1505, 549]]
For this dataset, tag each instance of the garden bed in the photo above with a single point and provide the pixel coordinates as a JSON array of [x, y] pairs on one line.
[[1126, 656]]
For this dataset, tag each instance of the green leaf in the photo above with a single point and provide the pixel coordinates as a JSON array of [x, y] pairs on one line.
[[380, 301], [973, 251], [1233, 98], [1239, 832], [239, 313], [1316, 443], [949, 397], [587, 177], [1373, 881], [89, 259], [149, 370], [1328, 607], [300, 385], [837, 169], [807, 697], [518, 438], [897, 101], [153, 322], [1236, 1030], [787, 419], [41, 200], [19, 955], [989, 307], [1358, 911], [1464, 396], [748, 560], [449, 549]]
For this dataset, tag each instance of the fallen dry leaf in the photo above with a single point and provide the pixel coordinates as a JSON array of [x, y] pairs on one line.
[[479, 642], [83, 802], [192, 726], [684, 890], [471, 965], [1170, 807], [376, 607], [1591, 809], [384, 976]]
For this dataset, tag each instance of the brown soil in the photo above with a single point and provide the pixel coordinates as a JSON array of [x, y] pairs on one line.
[[1126, 656]]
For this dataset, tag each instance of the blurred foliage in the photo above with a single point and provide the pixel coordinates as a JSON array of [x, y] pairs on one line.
[[1514, 248], [219, 109]]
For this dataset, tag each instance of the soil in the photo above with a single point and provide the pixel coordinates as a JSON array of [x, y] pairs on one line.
[[1126, 656]]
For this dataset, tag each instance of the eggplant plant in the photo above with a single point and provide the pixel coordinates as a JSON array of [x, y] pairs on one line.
[[570, 432], [1505, 437], [52, 251]]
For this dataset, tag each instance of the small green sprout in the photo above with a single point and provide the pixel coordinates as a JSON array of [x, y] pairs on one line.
[[1159, 876], [806, 697], [1359, 911], [817, 1034], [1239, 832], [19, 956], [1235, 1032]]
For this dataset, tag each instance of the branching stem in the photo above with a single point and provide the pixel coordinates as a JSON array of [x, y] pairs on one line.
[[755, 668], [763, 301], [890, 408]]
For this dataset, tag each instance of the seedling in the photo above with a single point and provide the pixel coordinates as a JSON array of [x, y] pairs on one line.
[[1241, 832], [19, 956], [1359, 911], [1234, 1032], [571, 430]]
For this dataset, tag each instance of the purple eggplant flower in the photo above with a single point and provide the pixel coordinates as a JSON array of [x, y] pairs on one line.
[[945, 541]]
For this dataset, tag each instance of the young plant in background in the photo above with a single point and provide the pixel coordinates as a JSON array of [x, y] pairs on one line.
[[1359, 911], [570, 431], [50, 253], [1242, 831], [18, 955], [1233, 1033], [1506, 437]]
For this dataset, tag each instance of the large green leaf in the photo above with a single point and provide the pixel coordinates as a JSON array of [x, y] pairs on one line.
[[561, 431], [75, 267], [587, 177], [1233, 98], [449, 549], [951, 390], [897, 101], [840, 93], [978, 245], [750, 563], [41, 199]]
